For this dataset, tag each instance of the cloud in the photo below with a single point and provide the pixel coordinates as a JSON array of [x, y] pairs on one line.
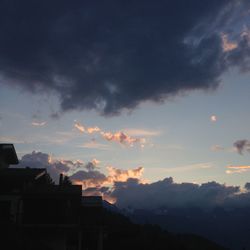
[[115, 174], [242, 145], [167, 193], [217, 148], [88, 130], [247, 186], [93, 129], [43, 160], [91, 177], [237, 169], [112, 56], [192, 167], [120, 137], [141, 132], [95, 162], [55, 115], [86, 174], [213, 118], [38, 124], [96, 183], [53, 166], [240, 56], [80, 127], [127, 187], [123, 138], [93, 144], [12, 139], [226, 44]]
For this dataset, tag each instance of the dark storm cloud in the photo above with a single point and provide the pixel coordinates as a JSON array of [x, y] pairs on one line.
[[242, 145], [247, 186], [113, 55], [166, 193]]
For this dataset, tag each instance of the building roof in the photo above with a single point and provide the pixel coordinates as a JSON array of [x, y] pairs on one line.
[[56, 190], [8, 153], [15, 178], [22, 173]]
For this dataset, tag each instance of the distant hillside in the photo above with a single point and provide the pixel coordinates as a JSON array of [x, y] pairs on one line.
[[229, 228], [122, 234]]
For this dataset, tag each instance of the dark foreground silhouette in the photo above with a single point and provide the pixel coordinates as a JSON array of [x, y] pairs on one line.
[[121, 234]]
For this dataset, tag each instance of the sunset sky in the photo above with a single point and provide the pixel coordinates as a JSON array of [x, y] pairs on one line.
[[163, 86]]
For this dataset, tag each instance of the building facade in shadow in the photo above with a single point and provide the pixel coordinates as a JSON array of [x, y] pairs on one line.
[[37, 214]]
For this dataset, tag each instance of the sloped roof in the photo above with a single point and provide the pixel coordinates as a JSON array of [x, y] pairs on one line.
[[22, 173], [15, 178], [8, 153], [56, 190]]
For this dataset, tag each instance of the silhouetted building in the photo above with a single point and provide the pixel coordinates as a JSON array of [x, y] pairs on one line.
[[92, 222], [38, 214], [13, 184], [7, 155]]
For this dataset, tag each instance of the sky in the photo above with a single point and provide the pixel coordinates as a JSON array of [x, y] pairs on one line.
[[145, 90]]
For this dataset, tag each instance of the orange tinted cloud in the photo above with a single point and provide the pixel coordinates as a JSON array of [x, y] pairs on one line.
[[226, 44], [92, 130], [237, 169], [88, 130], [93, 179], [122, 138], [115, 174], [80, 127]]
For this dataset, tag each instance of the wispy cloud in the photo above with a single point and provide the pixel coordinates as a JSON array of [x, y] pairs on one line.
[[11, 139], [79, 126], [38, 124], [141, 132], [93, 144], [228, 45], [88, 130], [237, 169], [217, 148], [119, 137], [57, 138], [192, 167], [123, 138]]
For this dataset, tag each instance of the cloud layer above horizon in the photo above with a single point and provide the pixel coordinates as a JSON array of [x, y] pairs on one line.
[[127, 188], [114, 55]]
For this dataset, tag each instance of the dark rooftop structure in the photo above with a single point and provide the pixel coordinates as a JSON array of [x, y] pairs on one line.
[[16, 180], [37, 214], [7, 155]]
